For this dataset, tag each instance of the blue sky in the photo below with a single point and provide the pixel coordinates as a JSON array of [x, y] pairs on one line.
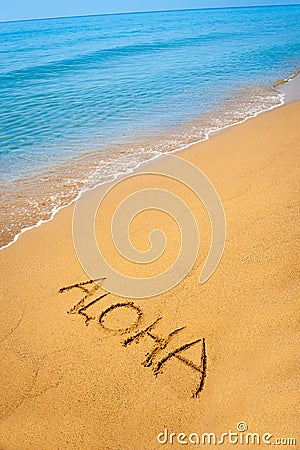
[[29, 9]]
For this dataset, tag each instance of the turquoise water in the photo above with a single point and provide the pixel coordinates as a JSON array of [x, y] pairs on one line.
[[84, 99]]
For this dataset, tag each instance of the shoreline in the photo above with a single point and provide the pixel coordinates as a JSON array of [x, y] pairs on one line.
[[287, 88]]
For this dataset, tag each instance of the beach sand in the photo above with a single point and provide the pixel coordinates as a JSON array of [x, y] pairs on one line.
[[66, 385]]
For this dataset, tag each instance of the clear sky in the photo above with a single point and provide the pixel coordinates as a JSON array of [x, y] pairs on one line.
[[29, 9]]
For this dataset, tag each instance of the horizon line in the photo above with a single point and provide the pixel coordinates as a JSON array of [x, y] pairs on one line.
[[146, 12]]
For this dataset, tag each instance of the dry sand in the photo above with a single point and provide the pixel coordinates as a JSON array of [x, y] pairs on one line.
[[65, 385]]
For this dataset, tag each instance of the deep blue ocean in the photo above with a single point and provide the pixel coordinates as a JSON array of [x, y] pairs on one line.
[[84, 99]]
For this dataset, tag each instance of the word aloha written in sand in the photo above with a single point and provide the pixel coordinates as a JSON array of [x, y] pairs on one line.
[[153, 359]]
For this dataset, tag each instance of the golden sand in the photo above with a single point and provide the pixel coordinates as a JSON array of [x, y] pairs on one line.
[[69, 385]]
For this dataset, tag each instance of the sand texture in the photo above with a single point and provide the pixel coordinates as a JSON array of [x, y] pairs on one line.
[[73, 381]]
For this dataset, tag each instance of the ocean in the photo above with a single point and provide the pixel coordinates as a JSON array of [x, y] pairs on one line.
[[85, 99]]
